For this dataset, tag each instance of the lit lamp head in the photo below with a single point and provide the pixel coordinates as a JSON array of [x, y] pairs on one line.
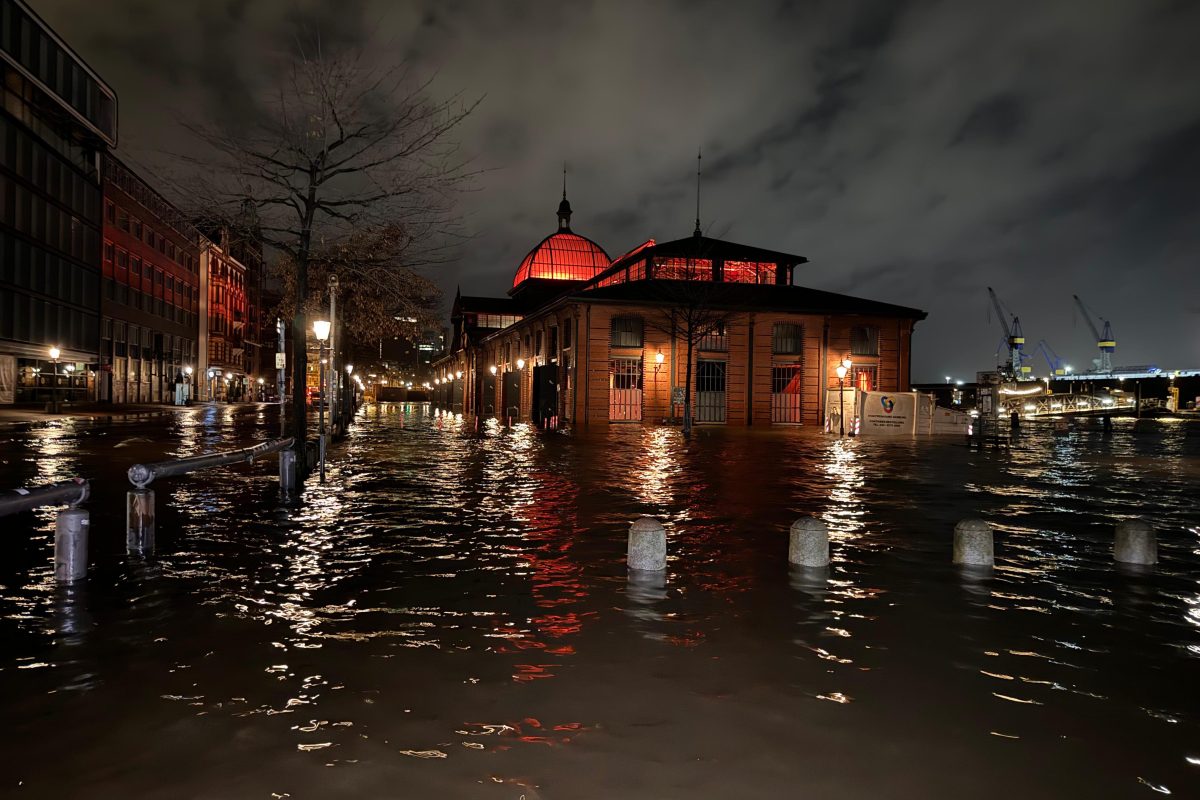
[[187, 371], [520, 363], [841, 371], [437, 381], [847, 363], [261, 381], [458, 374], [55, 353], [349, 369], [70, 367], [658, 357], [228, 376], [492, 369], [321, 329]]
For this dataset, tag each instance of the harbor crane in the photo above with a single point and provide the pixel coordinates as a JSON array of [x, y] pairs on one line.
[[1105, 341], [1056, 365], [1014, 340]]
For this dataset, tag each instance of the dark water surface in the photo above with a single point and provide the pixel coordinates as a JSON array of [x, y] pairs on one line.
[[450, 616]]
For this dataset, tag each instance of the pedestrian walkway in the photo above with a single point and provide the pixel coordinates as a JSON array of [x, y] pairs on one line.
[[95, 412]]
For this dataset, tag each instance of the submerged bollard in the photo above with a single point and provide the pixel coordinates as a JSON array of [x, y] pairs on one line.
[[1135, 543], [973, 543], [808, 543], [647, 545], [71, 544], [139, 521], [287, 471]]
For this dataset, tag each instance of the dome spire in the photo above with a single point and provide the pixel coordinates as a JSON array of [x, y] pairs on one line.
[[564, 208]]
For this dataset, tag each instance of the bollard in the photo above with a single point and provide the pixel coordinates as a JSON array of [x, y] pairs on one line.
[[139, 521], [1135, 543], [808, 543], [71, 544], [287, 471], [647, 545], [973, 543]]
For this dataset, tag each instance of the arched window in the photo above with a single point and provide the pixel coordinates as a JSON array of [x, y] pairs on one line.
[[864, 341]]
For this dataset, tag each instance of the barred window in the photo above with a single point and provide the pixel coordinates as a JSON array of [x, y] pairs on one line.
[[787, 338], [864, 341], [626, 332]]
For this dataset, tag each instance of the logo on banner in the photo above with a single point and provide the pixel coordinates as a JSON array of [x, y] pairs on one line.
[[887, 403]]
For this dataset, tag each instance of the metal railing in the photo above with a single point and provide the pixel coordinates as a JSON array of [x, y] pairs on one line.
[[70, 526], [141, 475]]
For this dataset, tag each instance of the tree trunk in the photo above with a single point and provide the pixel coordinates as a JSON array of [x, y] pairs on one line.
[[687, 388], [300, 369]]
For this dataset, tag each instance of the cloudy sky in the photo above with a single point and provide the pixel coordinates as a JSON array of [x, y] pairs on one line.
[[914, 152]]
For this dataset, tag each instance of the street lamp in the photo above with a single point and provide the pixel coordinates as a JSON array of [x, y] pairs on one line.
[[520, 363], [841, 373], [321, 331], [54, 354]]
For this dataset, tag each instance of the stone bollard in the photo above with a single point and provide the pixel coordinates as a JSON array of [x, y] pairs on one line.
[[71, 544], [973, 543], [808, 543], [647, 545], [1135, 543], [139, 522], [287, 471]]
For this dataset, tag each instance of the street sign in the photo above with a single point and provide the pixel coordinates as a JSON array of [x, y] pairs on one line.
[[281, 361]]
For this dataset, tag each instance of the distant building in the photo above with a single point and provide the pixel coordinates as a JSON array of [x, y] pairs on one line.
[[588, 340], [150, 304], [224, 361], [57, 119]]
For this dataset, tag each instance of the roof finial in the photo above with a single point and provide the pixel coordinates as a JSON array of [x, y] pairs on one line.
[[697, 231], [564, 208]]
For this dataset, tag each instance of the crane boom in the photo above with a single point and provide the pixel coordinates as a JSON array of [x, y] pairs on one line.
[[1104, 341], [1000, 312], [1015, 339]]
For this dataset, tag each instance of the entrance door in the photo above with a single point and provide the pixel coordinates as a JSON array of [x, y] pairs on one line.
[[545, 394], [625, 390], [511, 390], [486, 402], [710, 391], [785, 393]]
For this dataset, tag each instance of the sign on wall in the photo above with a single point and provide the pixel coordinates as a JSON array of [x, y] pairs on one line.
[[281, 361], [889, 413], [8, 379]]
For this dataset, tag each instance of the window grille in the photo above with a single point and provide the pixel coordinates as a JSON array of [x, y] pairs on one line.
[[710, 391], [786, 385], [787, 339], [625, 389]]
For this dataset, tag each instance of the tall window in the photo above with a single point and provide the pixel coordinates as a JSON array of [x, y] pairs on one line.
[[626, 332], [787, 338], [864, 341]]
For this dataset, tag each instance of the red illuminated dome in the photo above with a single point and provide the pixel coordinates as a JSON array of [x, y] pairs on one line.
[[563, 255]]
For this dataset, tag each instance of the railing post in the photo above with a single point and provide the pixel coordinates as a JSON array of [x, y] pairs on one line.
[[287, 471], [139, 521], [71, 544]]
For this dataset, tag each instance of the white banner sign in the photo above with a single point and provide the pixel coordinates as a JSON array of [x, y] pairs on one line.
[[889, 413], [281, 361]]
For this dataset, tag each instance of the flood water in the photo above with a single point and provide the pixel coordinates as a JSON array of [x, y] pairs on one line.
[[450, 616]]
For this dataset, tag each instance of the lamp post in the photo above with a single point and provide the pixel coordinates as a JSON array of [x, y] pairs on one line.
[[321, 331], [841, 373], [187, 385], [54, 354]]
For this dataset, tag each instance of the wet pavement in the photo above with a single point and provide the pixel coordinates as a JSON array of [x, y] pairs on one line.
[[450, 616]]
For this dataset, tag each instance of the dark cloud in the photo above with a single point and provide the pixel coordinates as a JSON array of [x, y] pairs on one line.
[[915, 152]]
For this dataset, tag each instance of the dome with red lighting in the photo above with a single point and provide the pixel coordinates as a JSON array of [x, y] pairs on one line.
[[563, 255]]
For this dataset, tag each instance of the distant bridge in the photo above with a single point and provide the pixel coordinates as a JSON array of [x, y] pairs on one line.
[[1056, 405]]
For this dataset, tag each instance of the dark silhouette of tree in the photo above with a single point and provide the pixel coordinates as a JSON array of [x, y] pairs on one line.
[[348, 168]]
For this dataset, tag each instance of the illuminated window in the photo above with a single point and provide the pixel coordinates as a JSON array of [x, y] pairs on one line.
[[864, 341], [626, 332], [683, 269], [787, 338], [748, 272], [865, 378]]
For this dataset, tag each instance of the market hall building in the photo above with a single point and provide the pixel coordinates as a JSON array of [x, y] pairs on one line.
[[585, 339]]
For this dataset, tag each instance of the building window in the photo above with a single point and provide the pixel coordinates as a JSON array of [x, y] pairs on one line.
[[553, 344], [123, 219], [715, 339], [683, 269], [864, 341], [137, 228], [567, 336], [787, 338], [626, 332], [537, 343], [865, 378], [110, 211], [748, 272]]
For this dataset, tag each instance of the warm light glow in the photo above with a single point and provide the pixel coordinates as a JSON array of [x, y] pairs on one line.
[[847, 363], [658, 357], [563, 256], [187, 370], [520, 363], [458, 374], [55, 352], [349, 369], [492, 369], [841, 371], [261, 381], [70, 367], [321, 329], [228, 376], [1021, 392]]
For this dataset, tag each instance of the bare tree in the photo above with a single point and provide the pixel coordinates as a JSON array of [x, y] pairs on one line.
[[349, 166], [688, 311]]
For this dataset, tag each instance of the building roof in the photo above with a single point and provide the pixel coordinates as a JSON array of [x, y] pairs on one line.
[[563, 255], [484, 305], [746, 296], [703, 247]]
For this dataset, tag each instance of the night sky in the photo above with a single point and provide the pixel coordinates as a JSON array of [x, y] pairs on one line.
[[914, 152]]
